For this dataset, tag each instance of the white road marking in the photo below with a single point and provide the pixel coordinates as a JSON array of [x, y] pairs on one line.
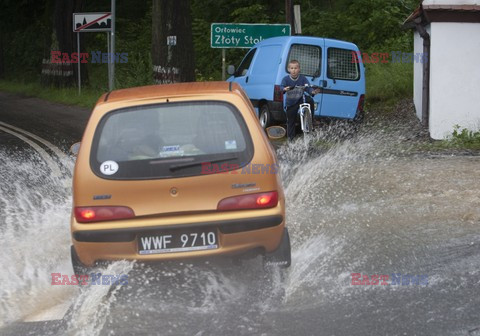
[[50, 162], [54, 148]]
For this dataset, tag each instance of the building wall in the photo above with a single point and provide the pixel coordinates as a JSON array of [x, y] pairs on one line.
[[450, 2], [417, 75], [454, 78]]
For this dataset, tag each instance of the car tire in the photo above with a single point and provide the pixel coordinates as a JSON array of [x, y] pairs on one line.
[[265, 117], [282, 256]]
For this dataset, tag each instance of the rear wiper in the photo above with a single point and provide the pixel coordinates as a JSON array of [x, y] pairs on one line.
[[199, 163]]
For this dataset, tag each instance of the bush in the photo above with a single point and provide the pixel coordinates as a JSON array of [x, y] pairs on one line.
[[463, 137], [389, 82]]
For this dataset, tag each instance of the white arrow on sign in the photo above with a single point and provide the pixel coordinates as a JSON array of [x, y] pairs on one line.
[[92, 22]]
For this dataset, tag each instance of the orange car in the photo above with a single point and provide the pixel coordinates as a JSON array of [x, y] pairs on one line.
[[176, 171]]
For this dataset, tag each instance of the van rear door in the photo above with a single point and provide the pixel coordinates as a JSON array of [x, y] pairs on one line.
[[343, 81]]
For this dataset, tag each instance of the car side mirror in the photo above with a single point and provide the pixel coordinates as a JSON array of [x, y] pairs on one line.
[[231, 69], [276, 132], [75, 148]]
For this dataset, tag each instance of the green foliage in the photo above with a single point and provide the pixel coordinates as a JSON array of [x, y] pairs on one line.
[[135, 40], [367, 23], [374, 25], [68, 96], [23, 52], [388, 82], [255, 13], [463, 137]]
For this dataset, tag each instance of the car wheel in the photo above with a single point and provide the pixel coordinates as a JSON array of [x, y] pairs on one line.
[[281, 257], [265, 116]]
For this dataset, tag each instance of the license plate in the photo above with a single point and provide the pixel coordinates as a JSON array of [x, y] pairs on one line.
[[177, 241]]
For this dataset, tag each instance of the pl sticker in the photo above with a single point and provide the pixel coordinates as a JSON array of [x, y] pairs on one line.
[[109, 167]]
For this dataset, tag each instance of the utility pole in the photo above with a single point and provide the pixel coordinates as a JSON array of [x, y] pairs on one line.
[[289, 15]]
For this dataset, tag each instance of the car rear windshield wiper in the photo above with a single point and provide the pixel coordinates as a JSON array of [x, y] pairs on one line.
[[199, 163]]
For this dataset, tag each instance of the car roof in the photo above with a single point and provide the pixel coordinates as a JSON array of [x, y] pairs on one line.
[[169, 90], [300, 39]]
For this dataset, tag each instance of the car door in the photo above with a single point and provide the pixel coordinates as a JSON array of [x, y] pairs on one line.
[[241, 75], [342, 82]]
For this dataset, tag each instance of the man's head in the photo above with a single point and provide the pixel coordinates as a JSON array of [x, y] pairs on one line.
[[293, 68]]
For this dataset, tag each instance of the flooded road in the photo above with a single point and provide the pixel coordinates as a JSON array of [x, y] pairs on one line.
[[362, 207]]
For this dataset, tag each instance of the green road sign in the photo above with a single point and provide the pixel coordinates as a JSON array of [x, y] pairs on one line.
[[244, 35]]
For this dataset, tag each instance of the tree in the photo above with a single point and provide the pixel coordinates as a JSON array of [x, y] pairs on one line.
[[63, 40], [175, 62]]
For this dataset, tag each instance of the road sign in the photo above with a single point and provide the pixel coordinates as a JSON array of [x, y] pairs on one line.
[[244, 35], [172, 40], [92, 22]]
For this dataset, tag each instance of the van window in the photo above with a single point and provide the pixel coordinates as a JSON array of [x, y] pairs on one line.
[[341, 66], [309, 56], [171, 140], [245, 65]]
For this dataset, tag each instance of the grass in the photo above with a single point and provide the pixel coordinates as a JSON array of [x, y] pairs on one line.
[[461, 139], [68, 96], [387, 83]]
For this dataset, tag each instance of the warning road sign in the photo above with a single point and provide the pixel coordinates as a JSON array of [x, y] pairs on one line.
[[92, 22]]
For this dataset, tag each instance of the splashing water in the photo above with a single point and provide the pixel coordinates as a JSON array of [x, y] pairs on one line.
[[33, 234]]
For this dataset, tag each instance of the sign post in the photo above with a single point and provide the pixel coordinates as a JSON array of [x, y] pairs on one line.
[[243, 35], [111, 82], [78, 67], [95, 22]]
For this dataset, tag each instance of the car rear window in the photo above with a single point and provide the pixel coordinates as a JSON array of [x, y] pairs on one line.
[[170, 140]]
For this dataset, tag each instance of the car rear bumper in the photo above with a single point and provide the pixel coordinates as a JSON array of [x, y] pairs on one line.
[[97, 242]]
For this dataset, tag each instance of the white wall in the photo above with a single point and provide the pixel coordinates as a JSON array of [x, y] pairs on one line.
[[451, 2], [454, 77], [417, 75]]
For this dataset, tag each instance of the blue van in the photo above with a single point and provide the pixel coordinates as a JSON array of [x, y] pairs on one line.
[[336, 66]]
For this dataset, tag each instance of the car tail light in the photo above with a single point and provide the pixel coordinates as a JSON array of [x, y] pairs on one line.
[[102, 213], [277, 93], [250, 201], [361, 102]]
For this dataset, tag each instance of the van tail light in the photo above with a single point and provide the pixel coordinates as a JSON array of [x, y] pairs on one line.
[[102, 213], [361, 102], [250, 201], [278, 93]]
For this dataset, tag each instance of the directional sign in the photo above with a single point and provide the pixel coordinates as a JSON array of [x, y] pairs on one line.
[[244, 35], [92, 22]]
